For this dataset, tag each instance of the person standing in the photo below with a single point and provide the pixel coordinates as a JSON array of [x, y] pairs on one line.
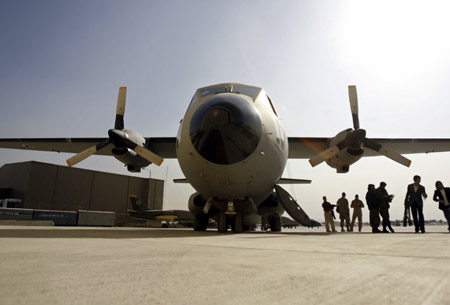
[[442, 195], [374, 208], [385, 198], [414, 194], [328, 213], [357, 206], [344, 212]]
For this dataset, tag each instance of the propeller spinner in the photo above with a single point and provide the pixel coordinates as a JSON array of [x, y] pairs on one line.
[[120, 138], [356, 138]]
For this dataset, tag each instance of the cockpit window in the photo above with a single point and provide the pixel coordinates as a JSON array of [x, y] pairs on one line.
[[239, 89], [212, 90], [224, 88], [265, 100], [249, 91], [194, 100]]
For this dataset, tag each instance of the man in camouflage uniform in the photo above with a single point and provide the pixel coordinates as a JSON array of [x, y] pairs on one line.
[[344, 212]]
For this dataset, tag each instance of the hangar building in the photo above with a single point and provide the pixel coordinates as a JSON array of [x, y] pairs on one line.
[[54, 187]]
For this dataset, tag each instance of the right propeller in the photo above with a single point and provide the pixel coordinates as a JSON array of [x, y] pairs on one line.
[[356, 139], [120, 138]]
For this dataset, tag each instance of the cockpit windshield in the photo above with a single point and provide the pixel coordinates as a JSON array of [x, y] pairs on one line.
[[231, 88], [250, 91]]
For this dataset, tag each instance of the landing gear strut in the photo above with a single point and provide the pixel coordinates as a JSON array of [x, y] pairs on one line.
[[222, 228], [232, 217], [238, 224], [200, 222], [275, 223]]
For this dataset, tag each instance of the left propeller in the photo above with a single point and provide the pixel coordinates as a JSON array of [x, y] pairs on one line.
[[120, 138]]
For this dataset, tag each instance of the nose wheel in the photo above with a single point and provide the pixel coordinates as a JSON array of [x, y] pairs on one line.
[[234, 220]]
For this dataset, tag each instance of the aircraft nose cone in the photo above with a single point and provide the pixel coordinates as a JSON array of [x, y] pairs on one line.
[[226, 129]]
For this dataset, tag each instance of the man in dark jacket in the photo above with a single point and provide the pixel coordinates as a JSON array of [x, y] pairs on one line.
[[414, 195], [442, 195], [328, 213], [373, 203], [384, 199]]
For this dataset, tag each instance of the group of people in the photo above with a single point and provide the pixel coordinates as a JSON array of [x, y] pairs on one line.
[[378, 201], [342, 207]]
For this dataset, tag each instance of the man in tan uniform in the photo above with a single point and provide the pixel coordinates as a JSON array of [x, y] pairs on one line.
[[357, 212], [344, 212]]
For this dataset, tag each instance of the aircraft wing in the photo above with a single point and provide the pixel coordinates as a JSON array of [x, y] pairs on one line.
[[164, 147], [304, 148]]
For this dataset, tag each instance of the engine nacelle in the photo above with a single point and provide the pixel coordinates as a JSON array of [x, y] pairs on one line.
[[346, 157], [196, 204], [132, 160], [271, 206]]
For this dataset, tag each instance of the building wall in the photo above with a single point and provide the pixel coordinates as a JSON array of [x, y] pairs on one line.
[[109, 193], [73, 189], [47, 186], [41, 186], [15, 176]]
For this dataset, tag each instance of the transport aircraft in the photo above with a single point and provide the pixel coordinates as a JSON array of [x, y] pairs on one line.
[[233, 149]]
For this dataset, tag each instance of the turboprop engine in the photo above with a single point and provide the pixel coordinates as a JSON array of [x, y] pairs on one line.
[[128, 145], [347, 147]]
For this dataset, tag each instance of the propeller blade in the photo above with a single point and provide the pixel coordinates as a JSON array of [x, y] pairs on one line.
[[395, 156], [120, 111], [354, 105], [386, 152], [324, 155], [148, 155], [143, 152], [86, 153]]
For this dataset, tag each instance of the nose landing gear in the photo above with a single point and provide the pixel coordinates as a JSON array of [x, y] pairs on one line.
[[230, 217]]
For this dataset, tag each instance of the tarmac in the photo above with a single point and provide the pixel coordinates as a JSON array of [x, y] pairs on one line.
[[81, 265]]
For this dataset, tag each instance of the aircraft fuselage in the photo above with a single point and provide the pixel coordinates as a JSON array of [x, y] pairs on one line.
[[231, 144]]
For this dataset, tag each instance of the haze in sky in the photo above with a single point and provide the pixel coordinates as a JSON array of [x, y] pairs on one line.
[[62, 63]]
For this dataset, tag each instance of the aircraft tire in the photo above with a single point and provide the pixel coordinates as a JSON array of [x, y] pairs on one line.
[[222, 227], [238, 224], [275, 224]]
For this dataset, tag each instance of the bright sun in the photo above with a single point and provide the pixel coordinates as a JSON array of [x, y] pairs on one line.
[[396, 39]]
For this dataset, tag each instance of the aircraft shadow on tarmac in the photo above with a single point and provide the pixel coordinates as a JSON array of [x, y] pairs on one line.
[[146, 233], [101, 233], [127, 233]]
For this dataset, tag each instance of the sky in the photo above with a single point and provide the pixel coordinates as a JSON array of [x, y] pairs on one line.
[[62, 63]]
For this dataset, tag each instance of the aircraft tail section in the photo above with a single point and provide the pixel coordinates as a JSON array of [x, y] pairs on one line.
[[294, 210], [140, 210], [137, 203]]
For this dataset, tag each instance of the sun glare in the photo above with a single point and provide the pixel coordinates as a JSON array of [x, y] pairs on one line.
[[394, 39]]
